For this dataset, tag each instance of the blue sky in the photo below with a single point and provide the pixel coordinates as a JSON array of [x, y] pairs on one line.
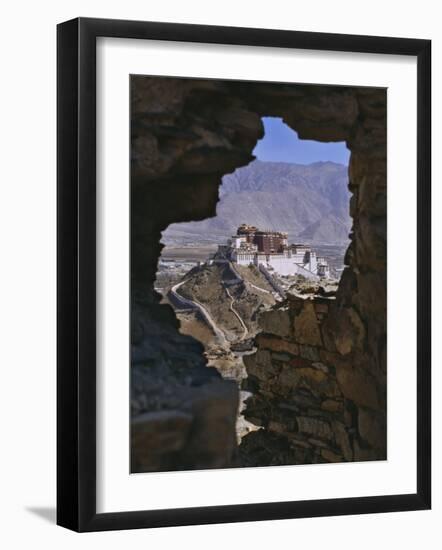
[[281, 144]]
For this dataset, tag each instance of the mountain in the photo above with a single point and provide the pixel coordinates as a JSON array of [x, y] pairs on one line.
[[310, 202]]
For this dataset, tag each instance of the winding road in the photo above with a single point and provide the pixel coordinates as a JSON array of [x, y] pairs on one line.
[[238, 316], [193, 304]]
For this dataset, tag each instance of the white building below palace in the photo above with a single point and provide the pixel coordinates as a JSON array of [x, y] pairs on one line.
[[270, 250]]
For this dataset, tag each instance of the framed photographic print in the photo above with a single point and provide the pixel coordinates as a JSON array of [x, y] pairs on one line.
[[243, 274]]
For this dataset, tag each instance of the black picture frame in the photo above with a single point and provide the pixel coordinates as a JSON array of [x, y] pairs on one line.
[[76, 272]]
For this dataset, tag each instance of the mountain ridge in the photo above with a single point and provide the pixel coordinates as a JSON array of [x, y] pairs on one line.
[[309, 201]]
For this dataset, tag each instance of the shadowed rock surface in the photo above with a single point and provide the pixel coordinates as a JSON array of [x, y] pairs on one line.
[[183, 414]]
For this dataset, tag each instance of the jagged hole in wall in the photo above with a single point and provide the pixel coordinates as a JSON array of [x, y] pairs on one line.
[[281, 228], [242, 311]]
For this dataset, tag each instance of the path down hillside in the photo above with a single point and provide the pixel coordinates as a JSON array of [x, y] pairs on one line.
[[194, 304], [238, 316]]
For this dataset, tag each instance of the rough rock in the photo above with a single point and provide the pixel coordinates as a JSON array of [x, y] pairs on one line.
[[371, 428], [306, 326], [265, 341], [275, 321]]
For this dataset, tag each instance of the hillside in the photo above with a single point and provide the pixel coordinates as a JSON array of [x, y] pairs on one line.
[[310, 202], [211, 286], [225, 318]]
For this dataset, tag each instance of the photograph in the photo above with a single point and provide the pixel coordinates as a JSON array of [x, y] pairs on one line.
[[258, 238]]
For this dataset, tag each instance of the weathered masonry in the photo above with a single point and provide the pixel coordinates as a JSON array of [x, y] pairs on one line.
[[186, 134]]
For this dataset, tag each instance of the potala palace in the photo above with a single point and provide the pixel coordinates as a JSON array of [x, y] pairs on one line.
[[270, 249]]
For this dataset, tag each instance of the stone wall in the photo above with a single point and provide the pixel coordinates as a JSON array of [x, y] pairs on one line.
[[186, 134], [314, 392], [183, 415]]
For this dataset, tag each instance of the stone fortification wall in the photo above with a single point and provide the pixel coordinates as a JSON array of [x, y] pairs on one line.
[[316, 396]]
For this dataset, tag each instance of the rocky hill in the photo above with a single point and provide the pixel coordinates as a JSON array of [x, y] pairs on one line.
[[310, 202], [227, 300], [226, 303]]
